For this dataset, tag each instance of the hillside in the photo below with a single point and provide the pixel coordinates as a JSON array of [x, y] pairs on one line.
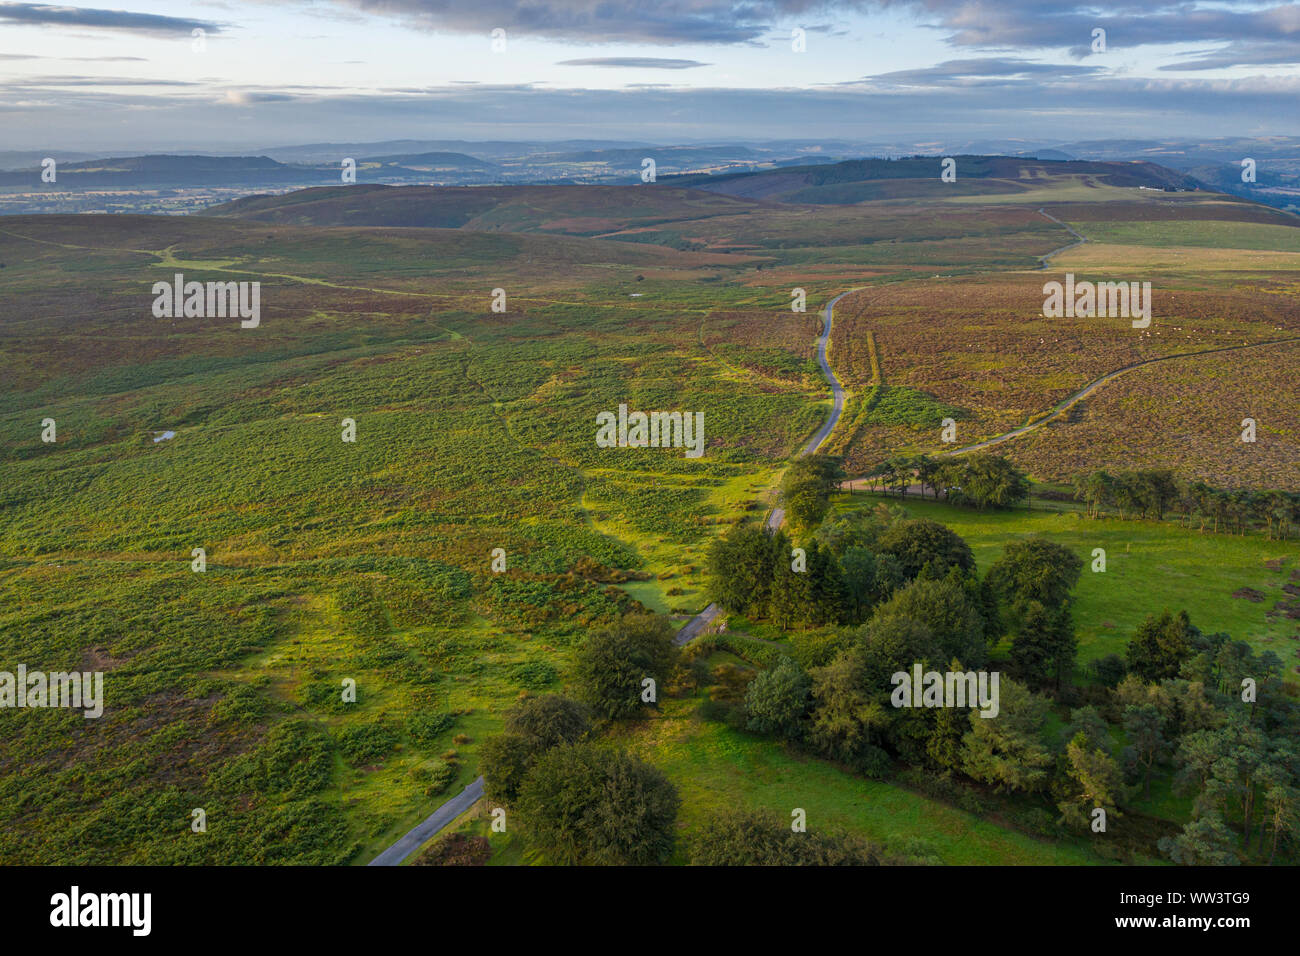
[[867, 179], [586, 210]]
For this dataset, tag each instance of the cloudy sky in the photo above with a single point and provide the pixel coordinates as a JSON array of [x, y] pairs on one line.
[[267, 73]]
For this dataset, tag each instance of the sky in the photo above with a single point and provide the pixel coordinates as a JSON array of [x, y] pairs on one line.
[[235, 74]]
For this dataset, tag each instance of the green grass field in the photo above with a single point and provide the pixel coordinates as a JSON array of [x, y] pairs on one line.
[[1149, 566], [718, 769]]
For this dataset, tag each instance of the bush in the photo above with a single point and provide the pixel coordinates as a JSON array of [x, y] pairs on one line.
[[610, 665], [456, 849], [428, 726], [435, 776], [366, 743], [583, 804], [533, 727], [504, 761], [762, 838], [777, 700], [533, 675], [917, 542], [548, 721]]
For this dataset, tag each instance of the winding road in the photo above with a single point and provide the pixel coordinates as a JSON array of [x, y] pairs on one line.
[[1079, 237], [454, 807], [776, 516]]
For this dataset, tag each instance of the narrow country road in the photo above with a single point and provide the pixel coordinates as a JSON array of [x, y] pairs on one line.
[[1080, 239], [431, 824], [699, 622]]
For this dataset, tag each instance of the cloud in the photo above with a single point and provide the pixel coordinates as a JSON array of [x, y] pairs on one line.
[[635, 62], [609, 21], [39, 14], [96, 81], [245, 97], [1240, 54], [1048, 24], [982, 71]]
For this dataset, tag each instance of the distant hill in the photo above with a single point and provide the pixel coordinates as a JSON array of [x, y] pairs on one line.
[[573, 210], [592, 210], [164, 170], [28, 159], [860, 180], [435, 160], [662, 155]]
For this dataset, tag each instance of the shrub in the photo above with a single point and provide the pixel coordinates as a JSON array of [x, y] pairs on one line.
[[533, 674], [456, 849], [435, 776], [585, 804], [777, 700], [368, 742], [427, 726], [762, 838], [611, 665]]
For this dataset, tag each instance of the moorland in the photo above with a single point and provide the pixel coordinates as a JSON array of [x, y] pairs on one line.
[[471, 335]]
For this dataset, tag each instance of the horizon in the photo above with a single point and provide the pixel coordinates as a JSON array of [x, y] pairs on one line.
[[927, 73]]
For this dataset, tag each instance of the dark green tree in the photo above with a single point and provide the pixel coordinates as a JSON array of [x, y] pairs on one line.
[[1007, 751], [1093, 781], [777, 700], [587, 804], [918, 541], [827, 593], [847, 720], [989, 481], [548, 720], [504, 761], [739, 569], [1147, 745], [1205, 841], [1035, 569], [1044, 647], [947, 611], [861, 583], [1160, 646], [533, 726], [610, 666]]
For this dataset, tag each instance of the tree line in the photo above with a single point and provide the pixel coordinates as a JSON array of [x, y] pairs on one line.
[[979, 480], [1154, 493]]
